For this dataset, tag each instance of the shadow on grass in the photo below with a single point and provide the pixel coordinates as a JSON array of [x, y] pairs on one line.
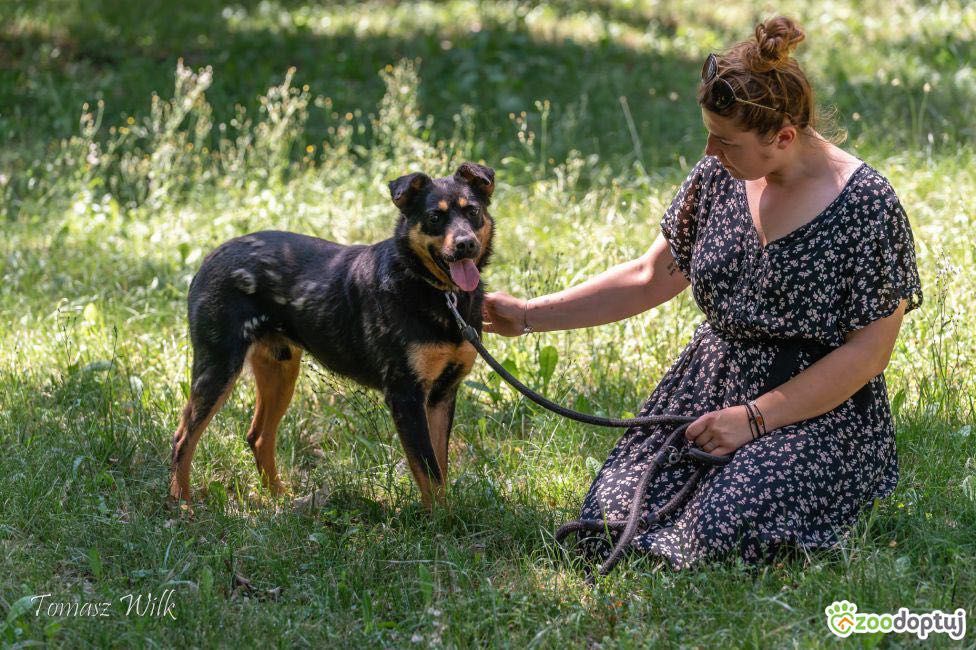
[[108, 50], [917, 96]]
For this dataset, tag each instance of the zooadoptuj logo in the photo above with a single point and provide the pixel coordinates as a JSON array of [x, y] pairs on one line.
[[843, 619]]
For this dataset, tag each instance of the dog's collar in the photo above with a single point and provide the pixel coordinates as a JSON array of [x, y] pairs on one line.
[[440, 286]]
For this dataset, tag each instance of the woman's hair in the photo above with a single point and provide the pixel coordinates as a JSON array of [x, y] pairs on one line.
[[763, 71]]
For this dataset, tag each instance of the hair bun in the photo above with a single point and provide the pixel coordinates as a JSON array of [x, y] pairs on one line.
[[776, 39]]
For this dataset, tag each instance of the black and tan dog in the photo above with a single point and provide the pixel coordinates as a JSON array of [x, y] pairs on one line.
[[376, 314]]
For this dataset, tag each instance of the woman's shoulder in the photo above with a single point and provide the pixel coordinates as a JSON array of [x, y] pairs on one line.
[[708, 166], [709, 173], [872, 204], [871, 185]]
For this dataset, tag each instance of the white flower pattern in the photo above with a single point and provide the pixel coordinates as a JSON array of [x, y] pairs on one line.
[[770, 312]]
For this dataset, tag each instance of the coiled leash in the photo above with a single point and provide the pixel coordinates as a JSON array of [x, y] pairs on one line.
[[674, 449]]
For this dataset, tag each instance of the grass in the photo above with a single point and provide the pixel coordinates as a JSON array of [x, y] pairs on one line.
[[136, 136]]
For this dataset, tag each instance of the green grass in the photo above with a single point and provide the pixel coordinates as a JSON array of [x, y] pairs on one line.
[[120, 168]]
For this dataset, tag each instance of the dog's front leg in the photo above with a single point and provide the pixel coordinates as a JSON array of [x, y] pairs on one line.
[[407, 404], [440, 417]]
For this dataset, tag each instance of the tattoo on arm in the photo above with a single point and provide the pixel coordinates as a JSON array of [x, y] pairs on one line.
[[672, 267]]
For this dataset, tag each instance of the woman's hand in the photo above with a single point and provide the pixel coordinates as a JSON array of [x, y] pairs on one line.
[[503, 314], [721, 432]]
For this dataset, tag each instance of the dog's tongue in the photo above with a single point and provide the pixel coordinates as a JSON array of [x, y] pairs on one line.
[[465, 274]]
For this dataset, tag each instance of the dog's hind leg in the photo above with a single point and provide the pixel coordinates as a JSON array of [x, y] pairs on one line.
[[407, 404], [215, 370], [276, 366]]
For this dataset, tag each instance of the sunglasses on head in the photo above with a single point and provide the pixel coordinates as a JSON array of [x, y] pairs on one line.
[[721, 95]]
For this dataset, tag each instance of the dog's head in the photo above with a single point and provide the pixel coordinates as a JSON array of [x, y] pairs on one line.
[[445, 225]]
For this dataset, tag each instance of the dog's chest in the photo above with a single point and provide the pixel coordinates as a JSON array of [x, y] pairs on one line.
[[430, 361]]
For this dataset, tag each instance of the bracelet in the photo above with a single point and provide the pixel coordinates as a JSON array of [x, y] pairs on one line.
[[526, 328], [753, 425], [760, 420]]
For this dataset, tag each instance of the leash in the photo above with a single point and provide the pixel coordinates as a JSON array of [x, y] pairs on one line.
[[674, 449]]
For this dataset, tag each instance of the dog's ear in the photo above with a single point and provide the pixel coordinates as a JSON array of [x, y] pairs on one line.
[[479, 177], [404, 189]]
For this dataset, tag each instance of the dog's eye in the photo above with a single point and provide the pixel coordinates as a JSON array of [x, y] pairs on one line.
[[473, 213], [433, 218]]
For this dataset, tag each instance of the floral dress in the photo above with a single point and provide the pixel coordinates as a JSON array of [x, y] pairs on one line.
[[770, 312]]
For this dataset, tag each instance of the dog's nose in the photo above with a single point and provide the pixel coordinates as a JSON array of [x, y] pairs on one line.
[[466, 247]]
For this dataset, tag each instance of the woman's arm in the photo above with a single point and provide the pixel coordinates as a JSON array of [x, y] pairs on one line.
[[823, 386], [622, 291]]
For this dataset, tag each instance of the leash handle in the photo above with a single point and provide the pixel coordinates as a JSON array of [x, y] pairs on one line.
[[471, 336]]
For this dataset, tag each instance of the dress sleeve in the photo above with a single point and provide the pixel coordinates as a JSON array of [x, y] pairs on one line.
[[680, 222], [884, 269]]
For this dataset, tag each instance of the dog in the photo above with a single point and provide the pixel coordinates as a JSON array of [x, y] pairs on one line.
[[374, 313]]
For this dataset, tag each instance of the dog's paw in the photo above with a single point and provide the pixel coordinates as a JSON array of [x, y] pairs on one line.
[[278, 489], [179, 508]]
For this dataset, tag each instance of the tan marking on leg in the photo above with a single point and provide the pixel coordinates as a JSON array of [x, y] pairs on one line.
[[274, 387], [438, 423], [185, 444], [428, 361], [429, 492], [419, 244]]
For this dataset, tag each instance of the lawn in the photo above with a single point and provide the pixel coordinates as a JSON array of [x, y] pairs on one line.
[[134, 137]]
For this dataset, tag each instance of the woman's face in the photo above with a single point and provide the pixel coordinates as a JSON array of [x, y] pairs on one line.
[[743, 153]]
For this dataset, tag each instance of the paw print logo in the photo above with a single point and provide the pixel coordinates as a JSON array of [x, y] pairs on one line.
[[840, 617]]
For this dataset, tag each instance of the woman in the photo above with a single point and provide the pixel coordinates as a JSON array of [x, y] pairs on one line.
[[801, 257]]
